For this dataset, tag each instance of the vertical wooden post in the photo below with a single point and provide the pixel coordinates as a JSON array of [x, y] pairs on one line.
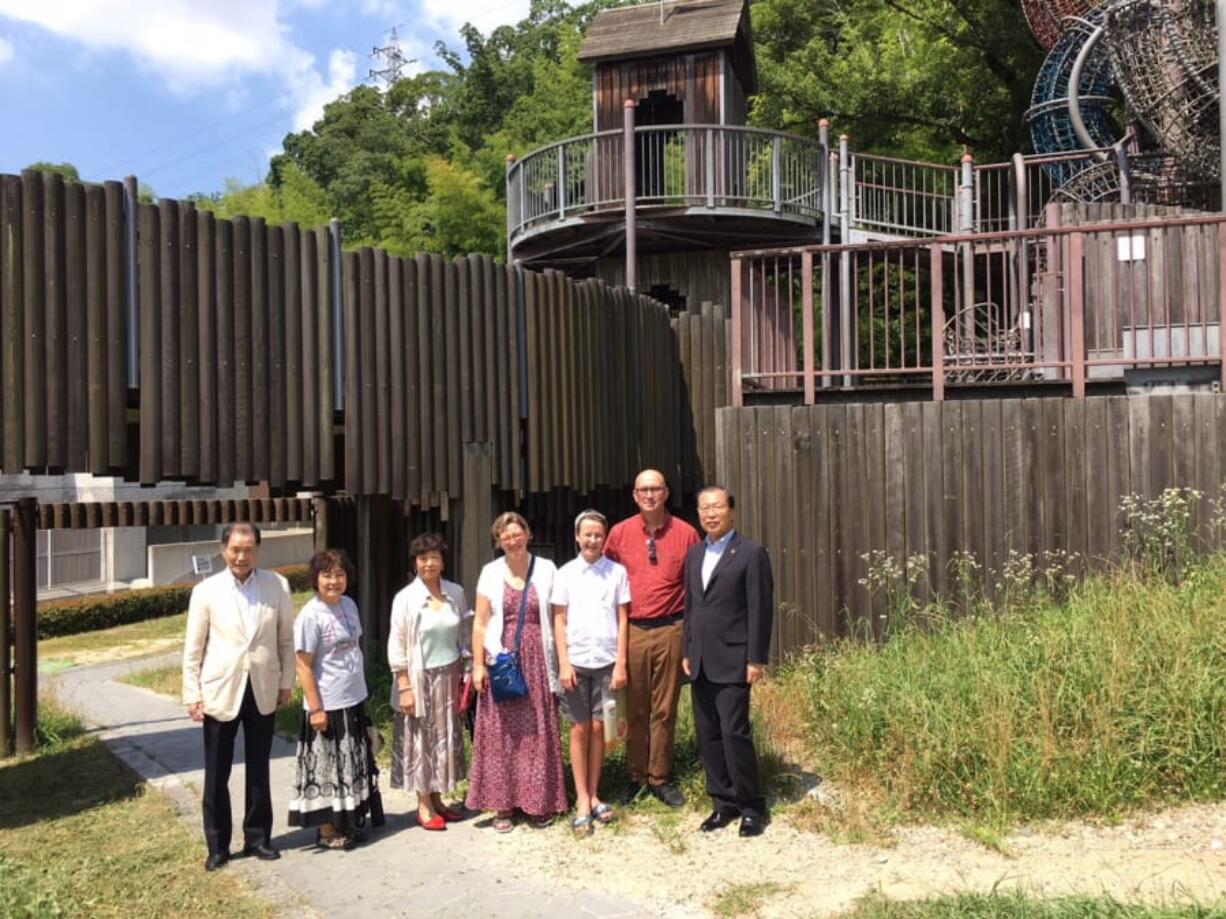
[[25, 555], [738, 309], [131, 214], [628, 179], [476, 510], [938, 324], [6, 638], [322, 518], [806, 281], [1077, 314], [1221, 304]]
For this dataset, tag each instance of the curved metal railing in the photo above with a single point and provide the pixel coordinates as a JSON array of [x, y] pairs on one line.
[[728, 167]]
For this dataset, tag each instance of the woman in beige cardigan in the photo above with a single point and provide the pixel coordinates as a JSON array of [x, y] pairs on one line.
[[428, 654]]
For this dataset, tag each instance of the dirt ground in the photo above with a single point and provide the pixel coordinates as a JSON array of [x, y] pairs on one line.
[[1167, 857]]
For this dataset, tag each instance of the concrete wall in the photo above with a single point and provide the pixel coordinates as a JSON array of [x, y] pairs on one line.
[[172, 563]]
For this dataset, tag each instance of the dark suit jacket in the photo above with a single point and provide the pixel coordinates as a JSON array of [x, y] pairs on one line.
[[728, 625]]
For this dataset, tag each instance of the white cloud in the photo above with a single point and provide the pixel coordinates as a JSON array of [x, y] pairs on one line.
[[389, 9], [6, 51], [486, 15], [198, 46], [315, 92]]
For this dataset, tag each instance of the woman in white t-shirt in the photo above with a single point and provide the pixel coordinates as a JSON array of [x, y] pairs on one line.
[[591, 613], [517, 755], [336, 786]]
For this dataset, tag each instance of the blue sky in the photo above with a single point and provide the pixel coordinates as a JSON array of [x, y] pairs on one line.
[[187, 93]]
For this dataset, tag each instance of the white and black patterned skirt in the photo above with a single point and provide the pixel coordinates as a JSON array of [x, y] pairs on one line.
[[337, 781]]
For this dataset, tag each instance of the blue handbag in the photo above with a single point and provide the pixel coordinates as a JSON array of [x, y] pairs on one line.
[[507, 681]]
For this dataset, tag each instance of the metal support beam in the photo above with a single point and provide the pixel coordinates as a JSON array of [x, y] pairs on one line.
[[628, 179], [827, 174], [937, 293], [513, 217], [1077, 314], [966, 226], [25, 624], [844, 359]]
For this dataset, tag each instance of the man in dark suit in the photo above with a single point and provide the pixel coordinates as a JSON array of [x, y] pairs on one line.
[[729, 601]]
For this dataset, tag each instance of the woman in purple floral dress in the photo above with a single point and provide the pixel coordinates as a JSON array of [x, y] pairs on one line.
[[517, 751]]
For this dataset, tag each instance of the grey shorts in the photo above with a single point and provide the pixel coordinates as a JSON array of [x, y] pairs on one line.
[[586, 701]]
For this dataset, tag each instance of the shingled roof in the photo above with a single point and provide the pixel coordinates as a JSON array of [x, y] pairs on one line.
[[689, 25]]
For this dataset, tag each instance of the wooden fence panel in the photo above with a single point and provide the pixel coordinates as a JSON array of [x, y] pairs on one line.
[[823, 485]]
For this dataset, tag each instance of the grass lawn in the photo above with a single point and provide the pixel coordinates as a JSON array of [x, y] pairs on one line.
[[81, 835], [137, 639], [1019, 906], [123, 641]]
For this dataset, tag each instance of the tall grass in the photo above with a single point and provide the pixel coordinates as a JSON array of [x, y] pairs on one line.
[[1018, 906], [1111, 698]]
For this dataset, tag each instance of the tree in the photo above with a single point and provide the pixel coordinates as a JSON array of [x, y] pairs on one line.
[[916, 78], [67, 170]]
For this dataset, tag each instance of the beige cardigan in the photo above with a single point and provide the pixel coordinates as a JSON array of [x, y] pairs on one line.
[[219, 656], [404, 639]]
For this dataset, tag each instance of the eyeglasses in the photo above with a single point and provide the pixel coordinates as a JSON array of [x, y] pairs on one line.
[[651, 551]]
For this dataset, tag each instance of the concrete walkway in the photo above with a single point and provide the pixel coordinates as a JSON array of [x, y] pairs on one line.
[[468, 871]]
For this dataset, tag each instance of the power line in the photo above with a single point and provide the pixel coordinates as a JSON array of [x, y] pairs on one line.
[[127, 163]]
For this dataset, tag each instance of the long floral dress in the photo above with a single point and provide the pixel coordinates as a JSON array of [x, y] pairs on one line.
[[517, 752]]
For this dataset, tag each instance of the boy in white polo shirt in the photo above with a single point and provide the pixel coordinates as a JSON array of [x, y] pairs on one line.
[[591, 610]]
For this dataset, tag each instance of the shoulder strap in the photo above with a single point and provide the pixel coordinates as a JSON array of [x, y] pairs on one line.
[[523, 602]]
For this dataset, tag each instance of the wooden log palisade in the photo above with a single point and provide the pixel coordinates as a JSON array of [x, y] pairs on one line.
[[411, 392]]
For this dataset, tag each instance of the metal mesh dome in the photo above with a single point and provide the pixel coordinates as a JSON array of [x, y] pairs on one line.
[[1164, 56], [1051, 126], [1046, 17]]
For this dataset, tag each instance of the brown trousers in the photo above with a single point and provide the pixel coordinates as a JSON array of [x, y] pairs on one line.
[[654, 682]]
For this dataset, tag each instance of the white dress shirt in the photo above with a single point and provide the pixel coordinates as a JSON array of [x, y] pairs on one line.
[[712, 554], [592, 594], [247, 600]]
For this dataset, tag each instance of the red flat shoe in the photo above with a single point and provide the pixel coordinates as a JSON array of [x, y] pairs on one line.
[[451, 816], [434, 823]]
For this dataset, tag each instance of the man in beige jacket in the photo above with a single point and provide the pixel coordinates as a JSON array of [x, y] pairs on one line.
[[238, 667]]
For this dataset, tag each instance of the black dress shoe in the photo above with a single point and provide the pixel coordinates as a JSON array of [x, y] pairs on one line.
[[261, 850], [668, 794], [752, 825], [216, 860], [717, 821]]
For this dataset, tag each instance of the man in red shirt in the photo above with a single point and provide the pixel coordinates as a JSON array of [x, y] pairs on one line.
[[652, 546]]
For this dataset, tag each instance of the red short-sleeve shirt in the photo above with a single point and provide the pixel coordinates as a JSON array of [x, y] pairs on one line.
[[655, 590]]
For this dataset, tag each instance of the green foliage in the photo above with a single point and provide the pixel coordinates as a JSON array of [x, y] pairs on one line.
[[1016, 905], [102, 611], [67, 170], [422, 165], [913, 78], [296, 198], [1109, 699]]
